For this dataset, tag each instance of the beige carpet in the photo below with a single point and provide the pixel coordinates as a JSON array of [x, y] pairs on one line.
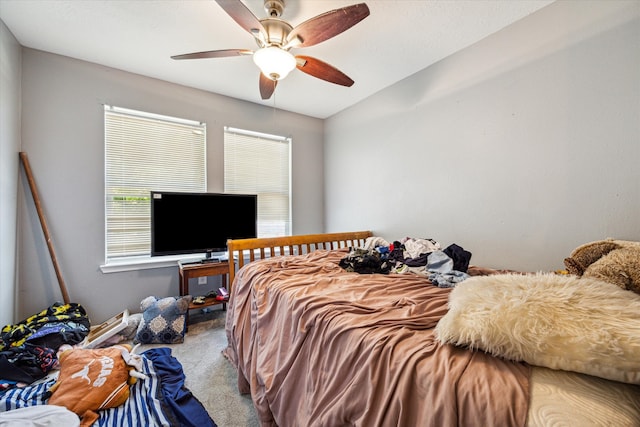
[[209, 375]]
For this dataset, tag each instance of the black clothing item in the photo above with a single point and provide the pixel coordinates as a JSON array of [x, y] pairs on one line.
[[365, 262], [397, 254], [28, 348], [419, 261], [65, 323], [459, 256], [26, 363]]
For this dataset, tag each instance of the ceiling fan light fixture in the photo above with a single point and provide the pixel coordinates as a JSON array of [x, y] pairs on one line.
[[275, 63]]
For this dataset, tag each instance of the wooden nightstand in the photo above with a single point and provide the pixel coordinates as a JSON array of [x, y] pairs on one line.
[[190, 270]]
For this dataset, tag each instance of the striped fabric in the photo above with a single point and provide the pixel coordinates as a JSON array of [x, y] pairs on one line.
[[22, 397]]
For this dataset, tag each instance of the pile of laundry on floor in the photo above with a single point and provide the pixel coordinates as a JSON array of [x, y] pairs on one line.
[[49, 377]]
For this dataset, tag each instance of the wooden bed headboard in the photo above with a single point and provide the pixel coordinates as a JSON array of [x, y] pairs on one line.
[[267, 247]]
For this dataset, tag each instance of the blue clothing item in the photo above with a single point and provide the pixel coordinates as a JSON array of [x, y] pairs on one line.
[[448, 280], [187, 408]]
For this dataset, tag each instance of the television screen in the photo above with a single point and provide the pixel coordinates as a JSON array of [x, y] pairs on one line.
[[186, 223]]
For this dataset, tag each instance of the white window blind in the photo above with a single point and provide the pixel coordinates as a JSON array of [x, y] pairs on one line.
[[257, 163], [145, 152]]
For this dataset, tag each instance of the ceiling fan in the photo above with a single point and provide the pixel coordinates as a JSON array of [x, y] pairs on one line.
[[275, 37]]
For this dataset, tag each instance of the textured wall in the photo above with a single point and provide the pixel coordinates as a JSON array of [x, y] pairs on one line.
[[518, 148]]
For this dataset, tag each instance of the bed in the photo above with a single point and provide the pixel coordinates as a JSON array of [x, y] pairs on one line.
[[317, 345]]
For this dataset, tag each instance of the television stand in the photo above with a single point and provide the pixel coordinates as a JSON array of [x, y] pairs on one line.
[[213, 267]]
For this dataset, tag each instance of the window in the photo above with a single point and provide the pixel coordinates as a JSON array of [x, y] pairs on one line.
[[257, 163], [145, 152]]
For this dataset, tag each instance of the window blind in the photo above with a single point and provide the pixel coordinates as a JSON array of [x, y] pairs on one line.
[[145, 152], [258, 163]]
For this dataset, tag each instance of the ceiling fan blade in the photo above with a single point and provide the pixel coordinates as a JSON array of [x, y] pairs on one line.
[[243, 16], [316, 68], [327, 25], [214, 54], [267, 86]]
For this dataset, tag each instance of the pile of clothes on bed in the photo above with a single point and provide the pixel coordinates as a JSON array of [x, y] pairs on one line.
[[47, 377], [443, 267]]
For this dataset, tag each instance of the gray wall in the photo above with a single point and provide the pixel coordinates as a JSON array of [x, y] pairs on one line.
[[10, 68], [63, 135], [518, 148]]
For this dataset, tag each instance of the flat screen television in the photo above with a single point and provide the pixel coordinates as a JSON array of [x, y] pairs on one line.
[[193, 223]]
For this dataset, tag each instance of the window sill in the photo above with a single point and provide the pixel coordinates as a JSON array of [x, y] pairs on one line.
[[145, 263]]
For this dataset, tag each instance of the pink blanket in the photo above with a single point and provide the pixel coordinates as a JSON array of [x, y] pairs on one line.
[[318, 346]]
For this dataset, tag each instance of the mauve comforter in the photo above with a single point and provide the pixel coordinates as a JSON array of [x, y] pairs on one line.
[[318, 346]]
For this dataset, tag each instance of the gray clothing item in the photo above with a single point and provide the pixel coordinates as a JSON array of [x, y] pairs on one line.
[[439, 262], [442, 274]]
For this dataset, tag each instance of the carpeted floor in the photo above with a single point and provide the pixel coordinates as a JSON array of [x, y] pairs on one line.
[[209, 375]]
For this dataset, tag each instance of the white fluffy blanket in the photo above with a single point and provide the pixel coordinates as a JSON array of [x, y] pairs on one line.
[[560, 322]]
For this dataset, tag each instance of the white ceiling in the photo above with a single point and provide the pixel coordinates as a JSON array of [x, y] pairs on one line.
[[399, 38]]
